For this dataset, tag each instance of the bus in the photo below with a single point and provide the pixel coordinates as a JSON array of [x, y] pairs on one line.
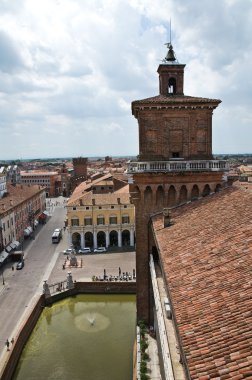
[[57, 235]]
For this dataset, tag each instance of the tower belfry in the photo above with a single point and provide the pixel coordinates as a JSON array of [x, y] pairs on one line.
[[175, 163]]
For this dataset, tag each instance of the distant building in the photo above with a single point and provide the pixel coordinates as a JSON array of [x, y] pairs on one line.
[[80, 173], [3, 183], [99, 213], [49, 180], [20, 212], [13, 174]]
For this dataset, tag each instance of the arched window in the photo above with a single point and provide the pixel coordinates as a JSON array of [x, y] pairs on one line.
[[183, 194], [125, 238], [148, 196], [172, 86], [171, 196], [101, 239], [206, 191], [76, 240], [195, 193], [89, 240], [160, 197]]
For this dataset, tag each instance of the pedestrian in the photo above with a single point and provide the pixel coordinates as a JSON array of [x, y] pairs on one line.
[[63, 266], [7, 344], [12, 268], [12, 341], [120, 272]]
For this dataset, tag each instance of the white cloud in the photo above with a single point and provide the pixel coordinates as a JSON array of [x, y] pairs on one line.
[[71, 69]]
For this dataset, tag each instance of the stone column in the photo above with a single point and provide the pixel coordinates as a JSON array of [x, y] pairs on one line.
[[95, 239], [82, 240], [69, 238], [107, 239], [132, 237], [119, 238]]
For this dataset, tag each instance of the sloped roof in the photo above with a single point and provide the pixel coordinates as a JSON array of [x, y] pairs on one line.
[[175, 99], [83, 192], [18, 194], [101, 199], [206, 256]]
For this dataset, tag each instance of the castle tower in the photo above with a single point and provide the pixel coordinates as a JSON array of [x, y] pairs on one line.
[[175, 163], [80, 169]]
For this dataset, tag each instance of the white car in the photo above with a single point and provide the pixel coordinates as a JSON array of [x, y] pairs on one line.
[[84, 250], [100, 250], [68, 251]]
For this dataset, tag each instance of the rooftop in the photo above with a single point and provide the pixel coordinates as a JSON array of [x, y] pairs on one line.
[[206, 256], [18, 194]]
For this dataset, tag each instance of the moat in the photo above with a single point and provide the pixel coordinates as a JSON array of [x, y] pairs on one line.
[[83, 337]]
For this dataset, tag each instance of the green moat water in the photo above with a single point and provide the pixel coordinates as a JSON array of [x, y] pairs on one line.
[[88, 337]]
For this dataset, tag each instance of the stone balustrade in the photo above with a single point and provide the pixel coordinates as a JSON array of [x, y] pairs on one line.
[[177, 165]]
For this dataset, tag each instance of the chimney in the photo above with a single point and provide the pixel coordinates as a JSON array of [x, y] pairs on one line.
[[81, 203], [93, 202], [118, 200], [11, 202], [167, 218]]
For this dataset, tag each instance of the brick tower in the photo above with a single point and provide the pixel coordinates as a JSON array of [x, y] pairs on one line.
[[80, 170], [175, 163]]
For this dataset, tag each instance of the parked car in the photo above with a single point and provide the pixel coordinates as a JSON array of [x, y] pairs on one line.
[[20, 265], [84, 250], [100, 250], [68, 251]]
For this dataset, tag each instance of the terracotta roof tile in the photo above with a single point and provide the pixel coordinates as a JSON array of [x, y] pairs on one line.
[[207, 260]]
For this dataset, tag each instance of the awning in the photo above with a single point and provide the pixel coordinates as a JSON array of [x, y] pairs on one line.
[[3, 256]]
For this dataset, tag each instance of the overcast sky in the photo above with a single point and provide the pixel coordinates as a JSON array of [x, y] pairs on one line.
[[69, 70]]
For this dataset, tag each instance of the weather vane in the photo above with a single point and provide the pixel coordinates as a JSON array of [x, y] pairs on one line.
[[170, 56]]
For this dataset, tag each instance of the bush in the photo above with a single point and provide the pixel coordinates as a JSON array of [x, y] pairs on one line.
[[145, 356], [144, 376], [143, 345], [143, 367]]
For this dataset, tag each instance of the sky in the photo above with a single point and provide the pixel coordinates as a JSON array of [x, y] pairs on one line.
[[69, 70]]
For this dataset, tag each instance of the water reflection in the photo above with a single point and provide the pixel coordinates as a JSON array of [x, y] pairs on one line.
[[86, 337]]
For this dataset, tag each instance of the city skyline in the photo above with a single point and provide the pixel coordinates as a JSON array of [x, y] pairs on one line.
[[69, 72]]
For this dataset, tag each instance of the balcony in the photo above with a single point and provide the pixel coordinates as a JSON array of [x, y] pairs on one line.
[[177, 166]]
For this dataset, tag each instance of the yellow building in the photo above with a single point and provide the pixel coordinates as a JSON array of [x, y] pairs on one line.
[[99, 214]]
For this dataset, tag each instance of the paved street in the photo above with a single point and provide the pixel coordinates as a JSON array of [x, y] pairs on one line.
[[43, 261]]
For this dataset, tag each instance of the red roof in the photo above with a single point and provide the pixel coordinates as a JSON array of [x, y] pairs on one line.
[[207, 260]]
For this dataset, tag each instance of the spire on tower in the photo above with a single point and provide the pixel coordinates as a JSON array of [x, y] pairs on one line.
[[170, 56]]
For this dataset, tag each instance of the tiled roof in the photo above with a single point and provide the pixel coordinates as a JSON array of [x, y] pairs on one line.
[[83, 192], [175, 99], [18, 194], [207, 260], [37, 173], [101, 199]]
